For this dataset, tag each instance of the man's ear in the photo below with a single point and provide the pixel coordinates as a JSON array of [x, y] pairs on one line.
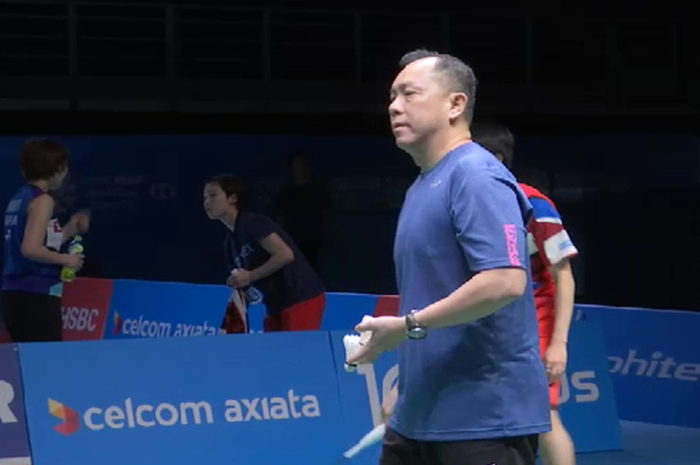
[[458, 105]]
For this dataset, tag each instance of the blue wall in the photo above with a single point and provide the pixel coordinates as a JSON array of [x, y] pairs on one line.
[[145, 192]]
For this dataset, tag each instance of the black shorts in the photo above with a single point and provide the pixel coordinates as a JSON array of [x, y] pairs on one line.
[[399, 450], [32, 317]]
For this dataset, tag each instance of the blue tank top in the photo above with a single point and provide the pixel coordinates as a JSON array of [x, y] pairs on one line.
[[20, 273]]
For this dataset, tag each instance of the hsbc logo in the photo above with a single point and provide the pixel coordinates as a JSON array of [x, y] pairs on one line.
[[80, 319]]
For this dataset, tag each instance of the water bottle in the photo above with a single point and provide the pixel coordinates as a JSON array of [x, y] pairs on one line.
[[252, 294], [75, 247]]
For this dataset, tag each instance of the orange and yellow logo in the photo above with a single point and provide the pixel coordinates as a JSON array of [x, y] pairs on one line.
[[71, 420], [118, 323]]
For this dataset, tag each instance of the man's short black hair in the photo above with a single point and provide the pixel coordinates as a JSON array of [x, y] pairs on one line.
[[496, 138], [460, 76]]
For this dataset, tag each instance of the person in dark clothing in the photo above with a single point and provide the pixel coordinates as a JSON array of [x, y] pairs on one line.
[[260, 253], [302, 208]]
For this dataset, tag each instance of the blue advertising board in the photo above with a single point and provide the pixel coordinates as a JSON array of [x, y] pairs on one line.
[[244, 399], [587, 402], [361, 394], [654, 361], [588, 405], [142, 309], [14, 446], [345, 310]]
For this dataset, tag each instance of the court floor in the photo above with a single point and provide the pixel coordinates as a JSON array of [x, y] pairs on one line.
[[646, 444]]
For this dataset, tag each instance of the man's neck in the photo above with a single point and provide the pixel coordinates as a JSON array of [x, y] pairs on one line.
[[229, 219], [439, 147]]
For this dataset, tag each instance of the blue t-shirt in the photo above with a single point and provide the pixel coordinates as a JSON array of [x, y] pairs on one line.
[[20, 273], [294, 283], [484, 379]]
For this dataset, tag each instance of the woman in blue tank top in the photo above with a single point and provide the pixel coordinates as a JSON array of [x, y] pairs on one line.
[[31, 285]]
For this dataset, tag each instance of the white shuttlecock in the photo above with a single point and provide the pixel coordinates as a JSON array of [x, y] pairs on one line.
[[352, 343]]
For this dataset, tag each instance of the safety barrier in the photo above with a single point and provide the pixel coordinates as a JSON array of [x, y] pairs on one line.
[[654, 362], [216, 399], [97, 388], [14, 445]]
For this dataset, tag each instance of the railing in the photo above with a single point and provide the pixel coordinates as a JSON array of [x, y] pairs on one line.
[[536, 59]]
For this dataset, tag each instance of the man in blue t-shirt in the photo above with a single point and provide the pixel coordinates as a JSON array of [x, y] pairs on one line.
[[472, 387]]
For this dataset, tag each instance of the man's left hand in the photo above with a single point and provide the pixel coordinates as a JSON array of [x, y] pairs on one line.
[[388, 332], [555, 360]]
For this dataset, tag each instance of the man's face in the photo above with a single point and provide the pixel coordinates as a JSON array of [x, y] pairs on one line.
[[419, 103]]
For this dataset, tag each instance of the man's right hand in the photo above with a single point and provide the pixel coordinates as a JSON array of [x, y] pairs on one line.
[[389, 403], [74, 262]]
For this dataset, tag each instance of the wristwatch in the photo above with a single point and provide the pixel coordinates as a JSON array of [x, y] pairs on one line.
[[415, 330]]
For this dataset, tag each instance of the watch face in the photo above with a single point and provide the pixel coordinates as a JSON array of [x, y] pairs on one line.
[[417, 333]]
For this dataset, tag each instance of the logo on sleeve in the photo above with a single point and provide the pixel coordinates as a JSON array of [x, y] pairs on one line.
[[512, 244]]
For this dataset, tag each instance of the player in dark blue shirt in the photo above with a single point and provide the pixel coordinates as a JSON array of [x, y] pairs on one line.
[[31, 284], [472, 387], [264, 256]]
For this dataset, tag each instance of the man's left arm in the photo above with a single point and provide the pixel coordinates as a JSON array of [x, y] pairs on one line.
[[487, 214], [484, 294], [488, 217]]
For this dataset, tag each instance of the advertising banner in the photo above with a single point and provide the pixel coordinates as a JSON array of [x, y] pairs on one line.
[[14, 446], [654, 361], [588, 406], [587, 400], [244, 399], [361, 395], [85, 307], [142, 309], [345, 310]]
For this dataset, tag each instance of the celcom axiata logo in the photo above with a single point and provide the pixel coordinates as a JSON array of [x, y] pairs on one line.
[[145, 328], [71, 419], [131, 414]]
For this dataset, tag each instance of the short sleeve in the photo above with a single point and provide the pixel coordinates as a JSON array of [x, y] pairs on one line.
[[489, 213], [258, 227], [551, 239]]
